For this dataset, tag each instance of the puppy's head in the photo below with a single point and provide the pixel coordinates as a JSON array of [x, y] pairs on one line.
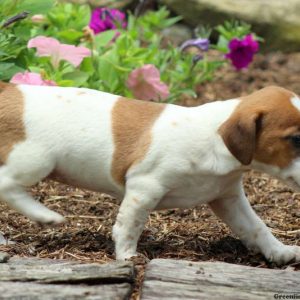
[[265, 129]]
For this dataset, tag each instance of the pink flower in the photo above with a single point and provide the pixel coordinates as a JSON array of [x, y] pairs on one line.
[[47, 46], [242, 51], [103, 19], [30, 78], [145, 84]]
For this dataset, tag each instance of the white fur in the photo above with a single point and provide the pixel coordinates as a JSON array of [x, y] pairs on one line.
[[187, 165], [296, 102]]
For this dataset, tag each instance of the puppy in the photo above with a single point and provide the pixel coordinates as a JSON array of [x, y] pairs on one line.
[[153, 156]]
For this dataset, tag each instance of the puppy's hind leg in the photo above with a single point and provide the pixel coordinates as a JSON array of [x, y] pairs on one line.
[[26, 165]]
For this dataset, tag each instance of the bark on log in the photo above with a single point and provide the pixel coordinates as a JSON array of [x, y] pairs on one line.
[[33, 278], [61, 271], [4, 257], [36, 291], [173, 279]]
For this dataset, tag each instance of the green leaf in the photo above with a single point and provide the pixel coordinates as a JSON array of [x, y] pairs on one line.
[[87, 65], [35, 69], [8, 70], [189, 92], [222, 44], [67, 83], [77, 77], [103, 38], [70, 36], [171, 21], [35, 6]]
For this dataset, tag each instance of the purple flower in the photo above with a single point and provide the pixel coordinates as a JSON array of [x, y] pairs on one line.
[[202, 44], [242, 51], [103, 19]]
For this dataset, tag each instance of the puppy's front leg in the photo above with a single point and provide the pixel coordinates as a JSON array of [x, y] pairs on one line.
[[141, 197], [243, 221]]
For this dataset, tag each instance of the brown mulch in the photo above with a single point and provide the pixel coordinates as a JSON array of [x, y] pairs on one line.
[[191, 234]]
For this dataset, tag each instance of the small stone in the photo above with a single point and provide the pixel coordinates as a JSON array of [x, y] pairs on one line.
[[177, 34], [4, 257]]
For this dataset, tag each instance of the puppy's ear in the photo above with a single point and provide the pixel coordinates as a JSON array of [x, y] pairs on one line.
[[239, 134]]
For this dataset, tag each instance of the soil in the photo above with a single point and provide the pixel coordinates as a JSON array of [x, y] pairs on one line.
[[190, 234]]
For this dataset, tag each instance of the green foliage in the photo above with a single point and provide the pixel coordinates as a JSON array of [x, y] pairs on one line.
[[115, 53], [232, 29], [9, 8], [65, 22], [140, 44]]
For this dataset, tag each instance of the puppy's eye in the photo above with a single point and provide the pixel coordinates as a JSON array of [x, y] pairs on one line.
[[295, 139]]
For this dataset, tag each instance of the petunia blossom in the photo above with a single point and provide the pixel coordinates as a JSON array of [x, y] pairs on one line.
[[145, 84], [103, 19], [47, 46], [31, 78], [200, 43], [38, 18], [242, 51]]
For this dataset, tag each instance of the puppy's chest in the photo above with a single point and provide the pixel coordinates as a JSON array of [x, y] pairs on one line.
[[195, 190]]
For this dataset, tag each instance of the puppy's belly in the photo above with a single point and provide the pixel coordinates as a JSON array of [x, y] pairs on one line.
[[188, 197], [196, 190], [89, 178], [174, 201]]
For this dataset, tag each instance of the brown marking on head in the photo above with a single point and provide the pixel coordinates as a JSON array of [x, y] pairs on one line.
[[260, 128], [12, 129], [132, 121]]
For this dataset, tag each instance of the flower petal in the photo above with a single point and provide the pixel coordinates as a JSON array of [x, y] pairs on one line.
[[30, 78], [46, 46], [103, 19], [73, 54], [145, 83], [202, 44], [242, 51]]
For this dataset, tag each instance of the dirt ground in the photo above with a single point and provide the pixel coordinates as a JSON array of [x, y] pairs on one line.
[[190, 234]]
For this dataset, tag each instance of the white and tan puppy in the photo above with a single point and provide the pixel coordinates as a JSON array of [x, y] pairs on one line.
[[153, 156]]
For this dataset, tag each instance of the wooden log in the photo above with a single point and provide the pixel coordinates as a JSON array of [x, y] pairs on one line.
[[173, 279], [36, 291], [4, 257], [33, 278], [62, 271]]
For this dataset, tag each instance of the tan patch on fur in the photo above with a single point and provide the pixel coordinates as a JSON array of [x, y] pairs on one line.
[[12, 129], [4, 85], [132, 121], [258, 128], [135, 200]]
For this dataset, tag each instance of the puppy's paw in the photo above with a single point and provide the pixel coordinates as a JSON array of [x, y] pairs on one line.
[[283, 254], [139, 259], [125, 255], [50, 218]]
